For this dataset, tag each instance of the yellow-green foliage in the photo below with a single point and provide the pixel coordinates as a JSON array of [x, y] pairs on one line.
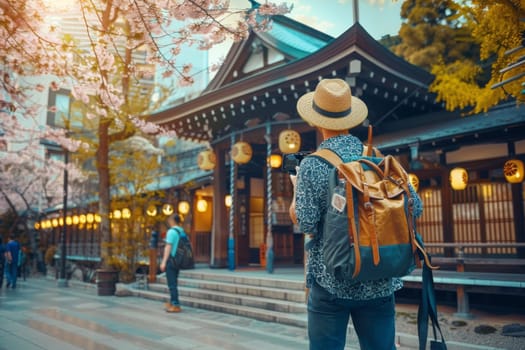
[[465, 49], [497, 27], [132, 171]]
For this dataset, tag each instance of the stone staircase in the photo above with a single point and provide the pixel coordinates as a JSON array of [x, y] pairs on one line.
[[262, 298]]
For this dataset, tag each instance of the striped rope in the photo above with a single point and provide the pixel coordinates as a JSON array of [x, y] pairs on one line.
[[231, 239], [269, 237]]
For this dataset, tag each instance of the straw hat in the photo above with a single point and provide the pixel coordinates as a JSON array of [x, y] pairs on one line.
[[331, 106]]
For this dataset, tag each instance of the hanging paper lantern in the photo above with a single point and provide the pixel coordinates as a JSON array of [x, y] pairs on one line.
[[241, 152], [167, 209], [126, 213], [184, 207], [275, 160], [202, 205], [90, 218], [513, 171], [289, 141], [206, 160], [151, 210], [458, 178], [414, 181], [228, 200]]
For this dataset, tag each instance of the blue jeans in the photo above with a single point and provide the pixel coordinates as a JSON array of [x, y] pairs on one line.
[[172, 275], [11, 273], [328, 316]]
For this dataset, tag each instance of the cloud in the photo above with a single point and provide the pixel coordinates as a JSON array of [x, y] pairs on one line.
[[314, 22], [379, 3]]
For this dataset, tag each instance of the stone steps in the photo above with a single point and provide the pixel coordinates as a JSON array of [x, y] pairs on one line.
[[264, 299]]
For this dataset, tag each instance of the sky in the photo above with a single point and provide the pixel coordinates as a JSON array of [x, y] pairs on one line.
[[333, 17]]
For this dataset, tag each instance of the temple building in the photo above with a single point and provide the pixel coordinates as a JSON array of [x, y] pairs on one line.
[[246, 118]]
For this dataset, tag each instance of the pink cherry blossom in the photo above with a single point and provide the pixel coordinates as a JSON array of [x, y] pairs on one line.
[[99, 63]]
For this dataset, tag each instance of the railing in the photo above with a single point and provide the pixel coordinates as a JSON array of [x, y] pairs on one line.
[[460, 278], [461, 247]]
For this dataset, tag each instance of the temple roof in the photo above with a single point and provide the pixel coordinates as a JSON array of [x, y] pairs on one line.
[[401, 108], [392, 88]]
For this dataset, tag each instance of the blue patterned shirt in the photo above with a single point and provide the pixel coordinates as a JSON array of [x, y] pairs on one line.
[[311, 204]]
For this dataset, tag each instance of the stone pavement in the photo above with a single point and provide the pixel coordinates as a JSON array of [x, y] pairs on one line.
[[40, 315]]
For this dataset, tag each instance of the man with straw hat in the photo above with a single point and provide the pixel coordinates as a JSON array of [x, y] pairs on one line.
[[332, 110]]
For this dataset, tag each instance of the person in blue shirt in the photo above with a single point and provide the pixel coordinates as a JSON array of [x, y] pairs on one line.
[[12, 249], [2, 261], [175, 231], [333, 111]]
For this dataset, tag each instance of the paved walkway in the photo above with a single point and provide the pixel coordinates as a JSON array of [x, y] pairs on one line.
[[40, 315]]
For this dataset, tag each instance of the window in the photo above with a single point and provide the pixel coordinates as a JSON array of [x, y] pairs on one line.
[[61, 109]]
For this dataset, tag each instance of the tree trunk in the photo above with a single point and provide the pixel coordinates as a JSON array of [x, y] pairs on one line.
[[103, 189]]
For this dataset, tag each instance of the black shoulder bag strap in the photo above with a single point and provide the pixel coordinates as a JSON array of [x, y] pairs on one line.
[[428, 309]]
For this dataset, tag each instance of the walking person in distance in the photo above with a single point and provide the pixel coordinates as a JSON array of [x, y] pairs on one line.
[[12, 250], [2, 261]]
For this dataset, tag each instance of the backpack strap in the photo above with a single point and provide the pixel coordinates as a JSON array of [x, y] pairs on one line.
[[334, 159], [328, 155]]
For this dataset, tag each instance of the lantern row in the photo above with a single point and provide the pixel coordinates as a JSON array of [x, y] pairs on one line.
[[241, 152], [513, 170]]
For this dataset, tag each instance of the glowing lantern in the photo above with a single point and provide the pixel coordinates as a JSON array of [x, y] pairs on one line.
[[241, 152], [513, 171], [167, 209], [37, 225], [206, 160], [152, 210], [289, 141], [54, 222], [458, 178], [202, 205], [83, 218], [126, 213], [98, 218], [69, 221], [228, 200], [90, 218], [184, 207], [275, 160], [414, 181], [75, 220]]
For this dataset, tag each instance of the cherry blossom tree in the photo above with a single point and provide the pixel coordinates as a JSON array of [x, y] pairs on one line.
[[30, 181], [100, 65]]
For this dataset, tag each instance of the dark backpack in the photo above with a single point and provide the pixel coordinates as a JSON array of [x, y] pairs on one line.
[[368, 229], [183, 259]]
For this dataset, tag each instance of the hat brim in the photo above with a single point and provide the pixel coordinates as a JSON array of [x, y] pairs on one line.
[[354, 118]]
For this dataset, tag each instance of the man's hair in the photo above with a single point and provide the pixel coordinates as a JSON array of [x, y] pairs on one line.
[[177, 218]]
